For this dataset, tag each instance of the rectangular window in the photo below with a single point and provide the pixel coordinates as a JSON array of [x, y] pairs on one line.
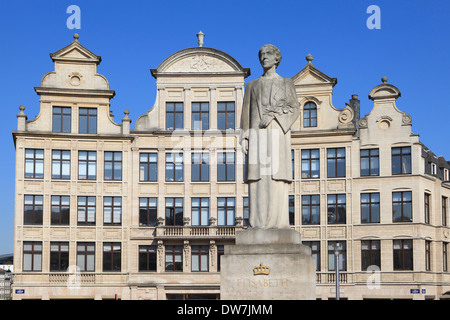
[[200, 115], [88, 120], [174, 211], [225, 115], [86, 210], [87, 165], [293, 163], [446, 175], [60, 164], [59, 256], [32, 256], [427, 255], [311, 209], [370, 162], [33, 208], [34, 163], [310, 115], [200, 211], [220, 253], [403, 255], [315, 251], [310, 164], [200, 258], [427, 207], [174, 258], [370, 254], [112, 210], [62, 119], [147, 258], [291, 210], [226, 211], [401, 160], [342, 255], [174, 167], [336, 162], [444, 211], [60, 210], [113, 165], [86, 256], [225, 166], [402, 206], [174, 115], [112, 256], [200, 167], [148, 209], [246, 212], [370, 207], [336, 209], [148, 167], [445, 256]]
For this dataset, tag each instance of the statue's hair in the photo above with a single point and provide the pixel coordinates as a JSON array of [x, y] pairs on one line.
[[275, 50]]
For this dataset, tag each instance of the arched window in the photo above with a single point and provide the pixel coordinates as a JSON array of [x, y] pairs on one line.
[[310, 115]]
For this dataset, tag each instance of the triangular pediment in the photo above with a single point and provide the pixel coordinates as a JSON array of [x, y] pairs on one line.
[[309, 75], [75, 52]]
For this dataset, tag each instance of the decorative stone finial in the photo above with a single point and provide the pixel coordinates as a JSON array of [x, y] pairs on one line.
[[200, 37], [76, 36], [309, 58], [384, 79]]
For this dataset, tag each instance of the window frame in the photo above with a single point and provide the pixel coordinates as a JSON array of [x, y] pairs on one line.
[[36, 215], [199, 165], [372, 254], [198, 253], [399, 255], [148, 167], [148, 256], [116, 172], [336, 163], [112, 258], [401, 156], [175, 112], [59, 118], [336, 205], [371, 160], [172, 217], [227, 113], [308, 108], [309, 205], [88, 118], [370, 205], [60, 211], [309, 160], [37, 162], [88, 163], [176, 251], [225, 210], [113, 214], [174, 167], [88, 251], [35, 255], [86, 221], [402, 204], [198, 213], [64, 164], [148, 211], [59, 259], [228, 168], [200, 113]]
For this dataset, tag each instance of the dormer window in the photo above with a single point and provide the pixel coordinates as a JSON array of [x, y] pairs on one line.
[[310, 115], [446, 175], [433, 169]]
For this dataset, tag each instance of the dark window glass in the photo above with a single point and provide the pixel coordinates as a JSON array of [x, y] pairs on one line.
[[225, 166], [292, 210], [34, 163], [62, 118], [60, 210], [88, 120], [174, 115], [315, 251], [200, 167], [86, 256], [246, 212], [113, 165], [444, 211], [59, 256], [147, 258], [403, 255], [401, 160], [33, 208], [310, 163], [200, 115], [311, 209], [174, 211], [310, 115], [147, 211], [427, 197], [370, 207], [370, 254], [370, 162], [112, 256], [87, 165], [402, 206], [225, 115], [148, 167], [336, 209], [174, 258], [336, 162]]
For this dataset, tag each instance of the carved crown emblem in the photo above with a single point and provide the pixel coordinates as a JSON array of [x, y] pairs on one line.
[[261, 270]]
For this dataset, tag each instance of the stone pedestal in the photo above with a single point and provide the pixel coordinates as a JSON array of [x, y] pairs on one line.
[[269, 264]]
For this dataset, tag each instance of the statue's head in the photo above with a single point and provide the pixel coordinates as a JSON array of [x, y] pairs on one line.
[[270, 49]]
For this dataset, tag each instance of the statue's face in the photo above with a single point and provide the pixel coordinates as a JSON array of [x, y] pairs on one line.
[[267, 58]]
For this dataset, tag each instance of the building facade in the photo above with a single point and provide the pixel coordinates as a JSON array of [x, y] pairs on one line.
[[104, 211]]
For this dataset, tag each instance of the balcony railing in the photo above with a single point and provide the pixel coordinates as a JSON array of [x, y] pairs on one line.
[[196, 231], [330, 277]]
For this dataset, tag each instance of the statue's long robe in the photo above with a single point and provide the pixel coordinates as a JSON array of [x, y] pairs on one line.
[[269, 166]]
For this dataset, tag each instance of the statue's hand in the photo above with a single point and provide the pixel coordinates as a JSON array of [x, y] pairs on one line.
[[245, 146], [265, 121]]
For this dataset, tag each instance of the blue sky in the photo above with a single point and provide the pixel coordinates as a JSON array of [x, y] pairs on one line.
[[411, 49]]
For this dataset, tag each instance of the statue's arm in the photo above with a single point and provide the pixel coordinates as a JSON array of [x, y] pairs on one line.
[[288, 119]]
